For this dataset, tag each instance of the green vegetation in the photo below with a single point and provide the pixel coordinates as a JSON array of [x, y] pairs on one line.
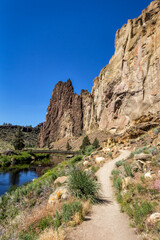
[[83, 186], [147, 150], [117, 181], [68, 212], [8, 132], [76, 159], [85, 142], [95, 143], [68, 146], [18, 142], [128, 170], [119, 163], [137, 196], [28, 196], [22, 160], [110, 155], [88, 150]]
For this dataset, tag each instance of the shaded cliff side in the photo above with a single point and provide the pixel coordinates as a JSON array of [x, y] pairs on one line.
[[64, 115], [126, 89]]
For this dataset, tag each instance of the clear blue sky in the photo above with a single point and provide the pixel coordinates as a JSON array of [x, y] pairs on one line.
[[46, 41]]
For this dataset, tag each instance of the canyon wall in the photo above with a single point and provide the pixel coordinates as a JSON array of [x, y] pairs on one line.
[[126, 89]]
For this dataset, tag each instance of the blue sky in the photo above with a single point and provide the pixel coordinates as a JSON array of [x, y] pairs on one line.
[[46, 41]]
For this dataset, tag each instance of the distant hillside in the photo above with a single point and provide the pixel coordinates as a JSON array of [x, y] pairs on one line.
[[7, 134]]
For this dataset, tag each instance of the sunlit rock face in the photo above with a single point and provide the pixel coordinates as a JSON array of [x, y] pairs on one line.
[[129, 86], [126, 89]]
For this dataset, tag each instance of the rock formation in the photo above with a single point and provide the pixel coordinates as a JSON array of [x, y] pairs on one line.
[[126, 89], [64, 114]]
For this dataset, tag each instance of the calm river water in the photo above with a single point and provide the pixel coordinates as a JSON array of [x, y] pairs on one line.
[[15, 179]]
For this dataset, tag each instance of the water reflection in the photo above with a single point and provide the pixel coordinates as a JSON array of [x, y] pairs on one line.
[[15, 178]]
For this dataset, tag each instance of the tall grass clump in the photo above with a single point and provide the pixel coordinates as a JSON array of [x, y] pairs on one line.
[[83, 186], [119, 163], [128, 170]]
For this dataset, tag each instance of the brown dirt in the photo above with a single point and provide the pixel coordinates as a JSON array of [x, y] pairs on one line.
[[106, 221]]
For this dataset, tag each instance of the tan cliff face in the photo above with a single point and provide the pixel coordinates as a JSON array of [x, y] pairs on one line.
[[129, 86], [126, 89]]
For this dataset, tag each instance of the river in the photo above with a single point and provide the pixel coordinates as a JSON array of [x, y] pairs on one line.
[[16, 178]]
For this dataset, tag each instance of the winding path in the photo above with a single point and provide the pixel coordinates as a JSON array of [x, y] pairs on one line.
[[106, 221]]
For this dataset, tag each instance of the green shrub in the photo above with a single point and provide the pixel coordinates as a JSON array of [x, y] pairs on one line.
[[4, 161], [153, 151], [83, 185], [110, 155], [117, 182], [95, 143], [45, 223], [68, 146], [141, 210], [115, 172], [157, 130], [21, 158], [119, 163], [57, 220], [69, 210], [40, 156], [128, 169], [26, 236], [88, 150], [142, 179], [76, 159], [138, 187], [18, 142], [95, 168], [85, 142]]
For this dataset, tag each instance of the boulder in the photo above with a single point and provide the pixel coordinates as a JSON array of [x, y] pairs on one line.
[[106, 149], [148, 175], [59, 193], [61, 180], [99, 159], [85, 163], [143, 156], [154, 218]]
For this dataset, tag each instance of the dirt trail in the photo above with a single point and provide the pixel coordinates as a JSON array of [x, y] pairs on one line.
[[106, 221]]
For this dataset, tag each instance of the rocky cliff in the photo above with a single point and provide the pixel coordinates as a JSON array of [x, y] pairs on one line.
[[126, 89], [64, 114]]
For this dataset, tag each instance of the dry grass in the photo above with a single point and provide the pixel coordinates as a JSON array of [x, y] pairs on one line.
[[50, 234], [86, 207], [38, 213]]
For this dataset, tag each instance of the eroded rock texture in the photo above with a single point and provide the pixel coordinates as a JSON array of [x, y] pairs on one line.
[[64, 115], [129, 86], [126, 89]]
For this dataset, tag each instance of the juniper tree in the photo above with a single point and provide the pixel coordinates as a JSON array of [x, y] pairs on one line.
[[96, 143], [85, 142], [68, 146], [18, 142]]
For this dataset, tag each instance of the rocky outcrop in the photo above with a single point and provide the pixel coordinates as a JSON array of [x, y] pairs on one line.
[[64, 114], [127, 88]]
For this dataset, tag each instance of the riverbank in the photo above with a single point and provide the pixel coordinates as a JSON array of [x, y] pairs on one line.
[[33, 197]]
